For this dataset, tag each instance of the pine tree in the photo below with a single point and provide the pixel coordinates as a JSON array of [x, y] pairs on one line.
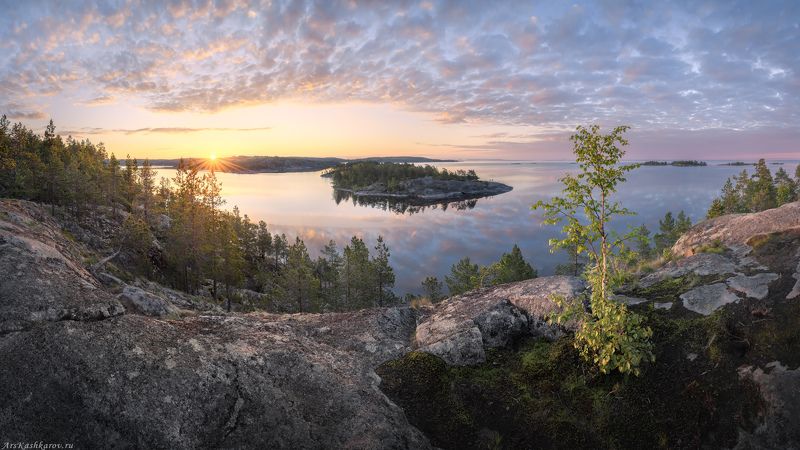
[[357, 276], [147, 185], [298, 278], [761, 191], [383, 274], [666, 227], [785, 187], [113, 183], [513, 267], [682, 225], [464, 276], [432, 288], [329, 266]]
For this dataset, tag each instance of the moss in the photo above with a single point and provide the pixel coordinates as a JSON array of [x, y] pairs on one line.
[[69, 235], [542, 395], [671, 288], [715, 246]]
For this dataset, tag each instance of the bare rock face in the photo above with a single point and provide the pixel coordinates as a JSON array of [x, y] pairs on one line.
[[755, 286], [143, 302], [707, 299], [458, 329], [213, 381], [34, 262], [702, 264], [77, 368], [737, 229]]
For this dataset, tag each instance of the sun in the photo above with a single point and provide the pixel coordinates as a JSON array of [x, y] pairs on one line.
[[212, 157]]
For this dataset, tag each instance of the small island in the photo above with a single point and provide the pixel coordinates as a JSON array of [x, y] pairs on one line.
[[679, 163], [737, 163], [409, 183]]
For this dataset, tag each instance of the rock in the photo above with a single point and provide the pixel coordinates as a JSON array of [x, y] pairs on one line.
[[737, 229], [502, 324], [756, 286], [41, 280], [142, 302], [109, 280], [663, 305], [459, 328], [780, 425], [630, 301], [202, 382], [429, 191], [707, 299], [702, 264], [796, 289]]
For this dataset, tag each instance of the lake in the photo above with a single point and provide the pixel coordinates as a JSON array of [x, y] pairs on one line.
[[429, 242]]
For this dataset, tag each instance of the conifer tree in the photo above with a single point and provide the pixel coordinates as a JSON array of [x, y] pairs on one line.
[[464, 276], [383, 274], [513, 267]]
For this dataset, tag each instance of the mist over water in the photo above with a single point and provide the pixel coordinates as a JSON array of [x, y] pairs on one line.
[[430, 241]]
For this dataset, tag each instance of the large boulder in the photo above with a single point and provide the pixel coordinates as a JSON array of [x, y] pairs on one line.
[[735, 230], [460, 328]]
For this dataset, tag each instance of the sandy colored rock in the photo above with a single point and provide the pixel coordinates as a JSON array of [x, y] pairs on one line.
[[737, 229]]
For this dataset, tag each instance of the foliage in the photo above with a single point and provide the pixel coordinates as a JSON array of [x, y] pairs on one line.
[[756, 193], [176, 232], [512, 267], [670, 229], [362, 174], [432, 288], [608, 334], [464, 276]]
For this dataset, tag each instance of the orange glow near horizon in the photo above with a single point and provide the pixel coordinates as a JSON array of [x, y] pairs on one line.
[[280, 129]]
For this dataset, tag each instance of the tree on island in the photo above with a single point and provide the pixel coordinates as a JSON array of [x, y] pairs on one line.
[[608, 335]]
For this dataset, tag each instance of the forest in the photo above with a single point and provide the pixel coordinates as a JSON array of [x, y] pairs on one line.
[[175, 231], [758, 192], [358, 175]]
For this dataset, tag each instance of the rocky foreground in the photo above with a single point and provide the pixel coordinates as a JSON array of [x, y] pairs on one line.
[[93, 361]]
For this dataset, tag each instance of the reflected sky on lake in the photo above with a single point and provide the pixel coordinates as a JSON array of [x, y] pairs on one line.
[[429, 242]]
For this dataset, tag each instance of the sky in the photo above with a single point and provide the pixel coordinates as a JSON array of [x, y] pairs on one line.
[[454, 79]]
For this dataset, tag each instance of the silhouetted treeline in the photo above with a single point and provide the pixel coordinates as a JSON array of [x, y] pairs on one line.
[[175, 231]]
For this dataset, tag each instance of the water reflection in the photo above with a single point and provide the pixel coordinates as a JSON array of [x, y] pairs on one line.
[[401, 206], [429, 241]]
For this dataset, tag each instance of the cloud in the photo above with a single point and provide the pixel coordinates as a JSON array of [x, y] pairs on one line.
[[164, 130], [656, 66]]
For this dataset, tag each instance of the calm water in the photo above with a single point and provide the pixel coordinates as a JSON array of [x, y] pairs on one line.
[[429, 242]]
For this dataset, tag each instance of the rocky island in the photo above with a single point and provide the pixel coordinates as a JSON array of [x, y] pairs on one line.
[[410, 184]]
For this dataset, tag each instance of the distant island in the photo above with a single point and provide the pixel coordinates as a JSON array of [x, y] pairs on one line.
[[737, 163], [409, 183], [278, 164], [679, 163]]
